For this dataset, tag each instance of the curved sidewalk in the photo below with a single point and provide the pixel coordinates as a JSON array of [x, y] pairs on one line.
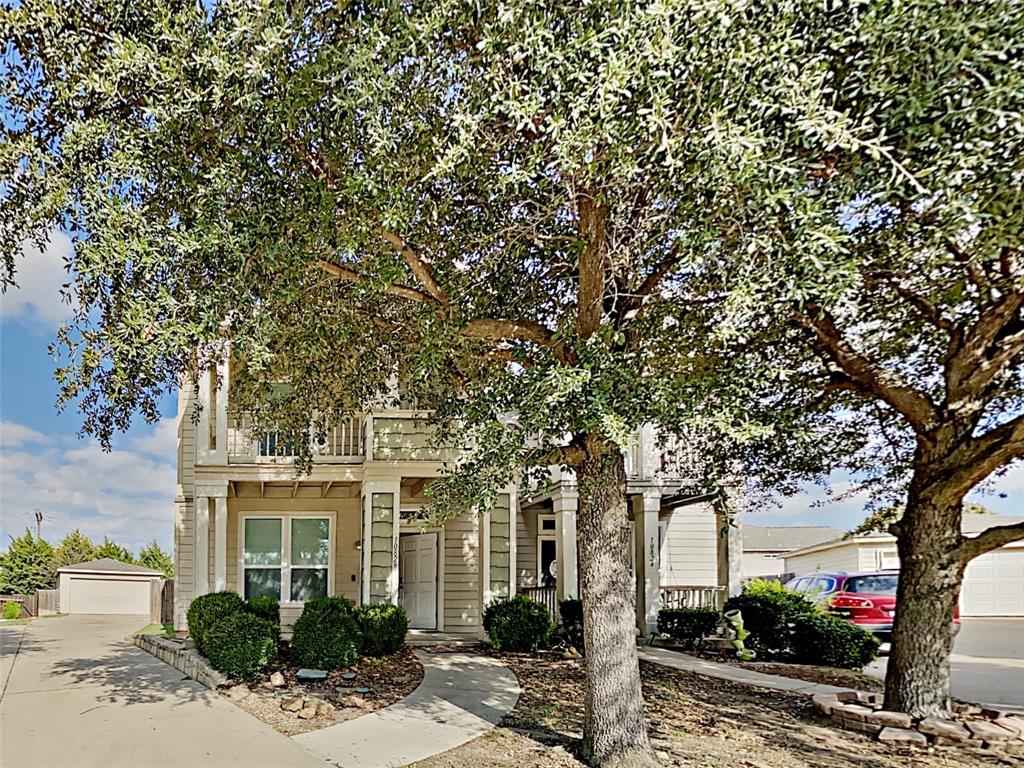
[[461, 697]]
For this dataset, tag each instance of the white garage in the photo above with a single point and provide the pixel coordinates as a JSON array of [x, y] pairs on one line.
[[106, 586], [994, 583]]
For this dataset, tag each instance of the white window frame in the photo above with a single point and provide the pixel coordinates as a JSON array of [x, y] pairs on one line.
[[286, 552], [542, 535]]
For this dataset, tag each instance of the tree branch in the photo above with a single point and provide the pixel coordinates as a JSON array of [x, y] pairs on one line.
[[987, 540], [870, 378], [420, 268], [500, 330], [394, 289], [979, 457]]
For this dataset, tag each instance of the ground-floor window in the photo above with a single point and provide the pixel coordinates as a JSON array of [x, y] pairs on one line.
[[287, 557]]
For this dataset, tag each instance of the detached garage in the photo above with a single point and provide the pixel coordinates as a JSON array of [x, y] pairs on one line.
[[106, 586]]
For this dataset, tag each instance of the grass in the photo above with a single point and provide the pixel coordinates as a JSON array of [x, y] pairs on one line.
[[30, 619], [164, 630]]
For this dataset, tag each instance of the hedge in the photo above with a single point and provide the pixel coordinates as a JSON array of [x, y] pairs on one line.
[[326, 635], [207, 610], [688, 626], [517, 624], [383, 626], [241, 645], [829, 640], [268, 609]]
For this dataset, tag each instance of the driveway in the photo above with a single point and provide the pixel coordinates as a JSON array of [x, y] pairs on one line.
[[76, 693], [987, 662]]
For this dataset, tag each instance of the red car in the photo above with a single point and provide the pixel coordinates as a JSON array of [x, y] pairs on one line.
[[866, 599]]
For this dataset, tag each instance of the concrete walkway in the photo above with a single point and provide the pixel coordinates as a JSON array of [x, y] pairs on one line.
[[79, 695], [461, 697], [682, 661]]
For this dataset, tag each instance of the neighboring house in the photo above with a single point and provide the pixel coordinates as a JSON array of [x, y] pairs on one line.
[[106, 586], [765, 546], [993, 583], [244, 522]]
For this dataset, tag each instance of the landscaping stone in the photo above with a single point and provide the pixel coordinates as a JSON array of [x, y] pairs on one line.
[[355, 701], [277, 680], [847, 696], [307, 713], [362, 691], [989, 731], [890, 719], [348, 675], [294, 704], [310, 675], [902, 736], [342, 691], [824, 702], [860, 725], [944, 729], [237, 692], [324, 709], [1011, 723], [852, 712]]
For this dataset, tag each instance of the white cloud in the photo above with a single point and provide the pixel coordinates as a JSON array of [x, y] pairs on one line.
[[17, 435], [126, 494], [40, 275], [161, 440]]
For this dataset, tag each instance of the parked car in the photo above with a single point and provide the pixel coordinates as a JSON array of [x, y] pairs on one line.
[[867, 599]]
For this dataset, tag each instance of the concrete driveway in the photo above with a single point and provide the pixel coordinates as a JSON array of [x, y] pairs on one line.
[[987, 662], [76, 693]]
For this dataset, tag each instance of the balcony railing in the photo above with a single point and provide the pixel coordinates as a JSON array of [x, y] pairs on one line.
[[546, 596], [653, 456], [343, 441]]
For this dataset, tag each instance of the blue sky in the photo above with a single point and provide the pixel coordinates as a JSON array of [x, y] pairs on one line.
[[128, 494]]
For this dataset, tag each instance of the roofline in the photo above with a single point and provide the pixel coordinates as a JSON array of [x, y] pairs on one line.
[[145, 572], [841, 541]]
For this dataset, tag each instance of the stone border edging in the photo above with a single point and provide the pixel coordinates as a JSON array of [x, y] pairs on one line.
[[187, 661], [995, 731]]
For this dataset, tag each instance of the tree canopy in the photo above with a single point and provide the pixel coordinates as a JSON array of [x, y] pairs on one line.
[[152, 556], [27, 565], [74, 548]]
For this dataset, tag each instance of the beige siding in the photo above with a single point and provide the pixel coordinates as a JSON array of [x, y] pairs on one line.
[[757, 564], [874, 557], [405, 439], [844, 557], [184, 513], [690, 547], [526, 547], [462, 587]]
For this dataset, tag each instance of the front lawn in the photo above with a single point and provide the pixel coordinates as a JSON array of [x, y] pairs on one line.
[[163, 630], [694, 721]]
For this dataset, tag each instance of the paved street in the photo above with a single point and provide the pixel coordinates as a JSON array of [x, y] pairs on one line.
[[76, 693], [987, 662]]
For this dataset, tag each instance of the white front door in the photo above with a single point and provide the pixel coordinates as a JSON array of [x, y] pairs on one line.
[[418, 579]]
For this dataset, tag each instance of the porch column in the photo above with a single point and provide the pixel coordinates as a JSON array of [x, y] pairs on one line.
[[565, 504], [220, 544], [498, 547], [730, 545], [202, 544], [381, 521], [646, 507], [219, 451]]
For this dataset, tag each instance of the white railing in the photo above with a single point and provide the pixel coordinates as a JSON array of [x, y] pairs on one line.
[[652, 456], [344, 440], [685, 596]]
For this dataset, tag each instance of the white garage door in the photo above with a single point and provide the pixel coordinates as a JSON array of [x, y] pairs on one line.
[[108, 595], [994, 585]]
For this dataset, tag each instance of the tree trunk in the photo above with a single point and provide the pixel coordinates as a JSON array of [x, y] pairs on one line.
[[615, 729], [917, 680]]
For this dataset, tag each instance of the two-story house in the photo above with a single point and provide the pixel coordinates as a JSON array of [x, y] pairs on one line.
[[244, 521]]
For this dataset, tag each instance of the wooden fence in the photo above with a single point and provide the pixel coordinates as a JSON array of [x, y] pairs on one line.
[[29, 604], [47, 602], [161, 601]]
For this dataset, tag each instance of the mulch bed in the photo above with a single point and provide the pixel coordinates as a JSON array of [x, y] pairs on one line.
[[844, 678], [693, 721], [389, 679]]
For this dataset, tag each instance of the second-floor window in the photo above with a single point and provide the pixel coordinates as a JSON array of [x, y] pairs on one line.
[[286, 556]]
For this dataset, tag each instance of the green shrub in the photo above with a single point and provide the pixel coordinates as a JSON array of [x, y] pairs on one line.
[[687, 625], [326, 636], [12, 609], [268, 609], [770, 613], [240, 645], [571, 611], [383, 626], [518, 624], [207, 610], [821, 638]]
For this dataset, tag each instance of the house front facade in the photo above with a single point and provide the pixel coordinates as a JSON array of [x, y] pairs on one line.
[[244, 521]]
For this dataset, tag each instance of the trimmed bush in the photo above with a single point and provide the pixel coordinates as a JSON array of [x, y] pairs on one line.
[[825, 639], [688, 626], [383, 626], [326, 636], [12, 609], [571, 611], [207, 610], [770, 613], [518, 624], [241, 645], [268, 609]]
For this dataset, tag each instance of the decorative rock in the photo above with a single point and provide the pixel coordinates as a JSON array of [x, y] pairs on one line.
[[824, 702], [348, 675], [237, 692], [859, 725], [310, 675], [277, 680], [1012, 723], [342, 691], [307, 713], [324, 709], [943, 741], [903, 736], [987, 731], [945, 729], [355, 701], [294, 704], [851, 712], [890, 719], [362, 690], [847, 696]]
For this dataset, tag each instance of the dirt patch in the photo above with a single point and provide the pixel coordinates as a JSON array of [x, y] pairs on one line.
[[388, 680], [844, 678], [694, 721]]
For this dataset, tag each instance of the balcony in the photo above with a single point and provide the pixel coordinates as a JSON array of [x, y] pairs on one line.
[[344, 442], [663, 457]]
